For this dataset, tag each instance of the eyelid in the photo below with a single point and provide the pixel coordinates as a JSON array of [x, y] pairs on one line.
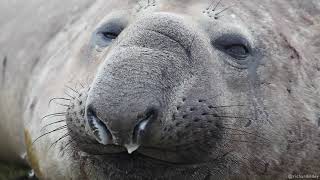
[[111, 27], [231, 39]]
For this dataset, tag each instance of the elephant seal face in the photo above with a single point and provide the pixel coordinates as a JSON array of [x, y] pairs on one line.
[[173, 96], [180, 93]]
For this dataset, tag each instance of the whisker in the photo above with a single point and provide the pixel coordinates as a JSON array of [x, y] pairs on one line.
[[216, 15], [53, 99], [211, 4], [66, 93], [87, 81], [58, 129], [65, 147], [62, 137], [72, 90], [52, 124], [223, 155], [216, 5], [53, 115], [140, 6], [81, 84], [65, 105]]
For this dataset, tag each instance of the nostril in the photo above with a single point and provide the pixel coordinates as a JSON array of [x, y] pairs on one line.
[[98, 128], [142, 124]]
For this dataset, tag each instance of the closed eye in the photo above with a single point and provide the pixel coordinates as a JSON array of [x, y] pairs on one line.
[[109, 31], [110, 35], [233, 45], [238, 51]]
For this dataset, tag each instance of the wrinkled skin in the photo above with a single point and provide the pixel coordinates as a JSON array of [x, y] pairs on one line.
[[170, 91]]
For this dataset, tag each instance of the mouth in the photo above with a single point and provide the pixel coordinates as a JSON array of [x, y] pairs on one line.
[[139, 156], [154, 155], [138, 164]]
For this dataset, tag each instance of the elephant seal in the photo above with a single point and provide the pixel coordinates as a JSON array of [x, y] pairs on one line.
[[168, 90]]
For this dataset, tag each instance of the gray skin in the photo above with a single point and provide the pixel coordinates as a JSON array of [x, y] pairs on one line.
[[170, 90]]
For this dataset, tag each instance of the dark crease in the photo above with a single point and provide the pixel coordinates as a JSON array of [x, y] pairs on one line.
[[250, 133], [296, 53], [319, 119], [4, 66], [34, 64], [186, 49]]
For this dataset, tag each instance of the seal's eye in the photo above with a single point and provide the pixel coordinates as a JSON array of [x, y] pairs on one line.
[[109, 31], [238, 51], [234, 45], [110, 35]]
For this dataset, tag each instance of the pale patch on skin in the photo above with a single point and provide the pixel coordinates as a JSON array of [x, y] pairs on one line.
[[32, 155]]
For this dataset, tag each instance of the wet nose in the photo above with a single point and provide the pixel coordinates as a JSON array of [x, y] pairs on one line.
[[115, 130]]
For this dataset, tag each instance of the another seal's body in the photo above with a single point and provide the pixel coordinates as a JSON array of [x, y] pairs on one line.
[[162, 89]]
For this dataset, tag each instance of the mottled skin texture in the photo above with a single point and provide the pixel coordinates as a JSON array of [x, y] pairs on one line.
[[211, 114]]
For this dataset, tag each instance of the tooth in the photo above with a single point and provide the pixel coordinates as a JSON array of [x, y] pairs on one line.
[[131, 147]]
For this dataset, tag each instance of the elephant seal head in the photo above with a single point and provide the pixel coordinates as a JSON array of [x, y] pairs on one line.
[[184, 92]]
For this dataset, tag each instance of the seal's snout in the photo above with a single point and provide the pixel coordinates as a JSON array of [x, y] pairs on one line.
[[127, 128]]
